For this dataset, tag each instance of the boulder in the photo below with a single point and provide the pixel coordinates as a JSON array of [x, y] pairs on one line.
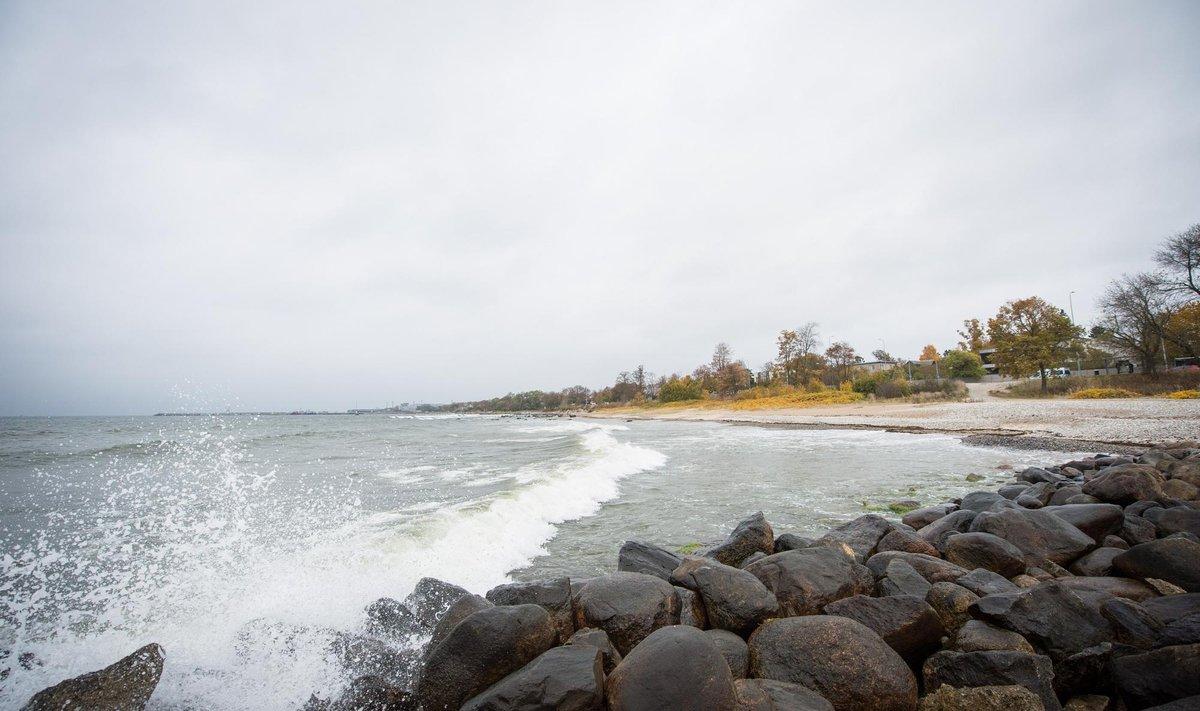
[[370, 693], [1064, 494], [1115, 542], [1177, 519], [935, 570], [840, 659], [971, 669], [1083, 499], [1185, 630], [628, 606], [734, 599], [1040, 535], [367, 656], [981, 698], [980, 501], [597, 639], [676, 667], [1158, 676], [952, 603], [647, 558], [1098, 562], [861, 535], [1180, 489], [554, 595], [804, 581], [979, 636], [770, 695], [1036, 475], [568, 677], [1191, 703], [460, 610], [1049, 615], [985, 582], [1088, 702], [903, 540], [906, 623], [1135, 529], [1125, 484], [691, 609], [1173, 607], [1132, 624], [984, 550], [791, 542], [734, 649], [123, 685], [751, 534], [481, 650], [430, 599], [1096, 589], [922, 517], [391, 619], [1176, 560], [936, 533], [900, 578], [1096, 520]]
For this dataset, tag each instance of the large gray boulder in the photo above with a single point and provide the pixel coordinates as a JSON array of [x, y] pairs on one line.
[[554, 595], [937, 532], [984, 550], [979, 636], [1050, 616], [568, 678], [935, 570], [1159, 676], [922, 517], [598, 639], [392, 620], [647, 558], [839, 658], [430, 599], [676, 667], [1040, 535], [982, 698], [124, 685], [862, 534], [952, 603], [804, 581], [970, 669], [900, 578], [906, 623], [1176, 560], [1096, 520], [627, 606], [1177, 519], [460, 610], [751, 535], [1125, 484], [770, 695], [481, 650], [734, 599], [734, 649]]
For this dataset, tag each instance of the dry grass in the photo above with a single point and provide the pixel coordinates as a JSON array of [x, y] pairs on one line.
[[1101, 394], [1138, 384], [1184, 395], [787, 400]]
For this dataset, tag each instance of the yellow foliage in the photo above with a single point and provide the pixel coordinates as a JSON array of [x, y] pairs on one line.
[[1184, 395], [1101, 393], [798, 399]]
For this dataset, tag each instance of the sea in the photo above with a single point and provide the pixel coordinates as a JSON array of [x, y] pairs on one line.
[[196, 531]]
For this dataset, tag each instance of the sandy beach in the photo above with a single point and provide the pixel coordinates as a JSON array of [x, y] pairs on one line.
[[1139, 421]]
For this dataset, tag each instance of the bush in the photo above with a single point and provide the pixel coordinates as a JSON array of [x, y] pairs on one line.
[[868, 383], [962, 364], [893, 388], [1101, 394], [1185, 395], [680, 389]]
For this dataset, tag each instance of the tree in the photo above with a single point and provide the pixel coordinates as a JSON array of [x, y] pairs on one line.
[[1031, 334], [842, 357], [1135, 318], [795, 350], [1180, 257], [786, 345], [882, 356], [677, 389], [963, 364], [721, 357], [930, 352], [973, 335]]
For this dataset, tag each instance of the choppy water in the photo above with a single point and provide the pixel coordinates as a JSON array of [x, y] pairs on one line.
[[115, 532]]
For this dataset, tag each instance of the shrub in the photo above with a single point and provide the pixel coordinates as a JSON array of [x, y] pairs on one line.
[[962, 364], [868, 383], [893, 388], [1101, 393], [679, 389], [1185, 395]]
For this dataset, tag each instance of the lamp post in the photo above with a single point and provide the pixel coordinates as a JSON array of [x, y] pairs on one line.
[[1071, 303]]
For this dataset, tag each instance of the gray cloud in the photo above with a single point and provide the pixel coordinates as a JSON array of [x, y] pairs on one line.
[[278, 205]]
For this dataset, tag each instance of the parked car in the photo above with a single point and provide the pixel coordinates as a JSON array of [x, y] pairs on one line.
[[1052, 373]]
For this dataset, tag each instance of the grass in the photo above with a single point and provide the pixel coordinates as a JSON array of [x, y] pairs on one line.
[[794, 399], [690, 548], [1101, 394], [1163, 384], [1184, 395]]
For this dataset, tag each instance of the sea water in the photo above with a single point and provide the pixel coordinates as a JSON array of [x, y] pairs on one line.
[[204, 534]]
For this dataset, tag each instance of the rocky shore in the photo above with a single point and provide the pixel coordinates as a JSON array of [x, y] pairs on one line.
[[1074, 586]]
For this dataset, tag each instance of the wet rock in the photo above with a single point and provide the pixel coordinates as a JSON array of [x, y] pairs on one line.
[[691, 609], [1172, 607], [1098, 562], [1185, 630], [481, 650], [597, 639], [1115, 542], [1180, 489], [463, 608], [922, 517], [979, 636], [937, 532], [1096, 520], [1177, 519], [861, 535], [1191, 703], [1135, 530], [1064, 494], [971, 669], [980, 501], [570, 677], [935, 570], [1035, 475], [900, 578], [1175, 560], [791, 542], [1040, 535], [984, 550], [839, 658], [734, 649], [750, 535], [1158, 676], [1125, 484], [906, 623], [1087, 702], [1083, 499], [366, 656], [903, 540], [123, 685], [804, 581], [372, 693], [951, 602], [770, 695], [1096, 589], [554, 595], [391, 619], [628, 606], [647, 559], [430, 599], [734, 599], [1131, 623], [1049, 615], [982, 698], [676, 667], [985, 582], [756, 555]]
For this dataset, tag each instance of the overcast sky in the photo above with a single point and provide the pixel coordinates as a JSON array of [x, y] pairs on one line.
[[278, 205]]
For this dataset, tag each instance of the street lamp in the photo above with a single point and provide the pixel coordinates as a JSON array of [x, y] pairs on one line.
[[1071, 303]]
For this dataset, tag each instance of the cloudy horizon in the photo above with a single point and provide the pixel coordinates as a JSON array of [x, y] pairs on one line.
[[275, 206]]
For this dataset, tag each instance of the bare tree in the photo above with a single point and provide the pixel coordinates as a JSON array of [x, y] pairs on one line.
[[1136, 312], [1180, 257], [722, 356]]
